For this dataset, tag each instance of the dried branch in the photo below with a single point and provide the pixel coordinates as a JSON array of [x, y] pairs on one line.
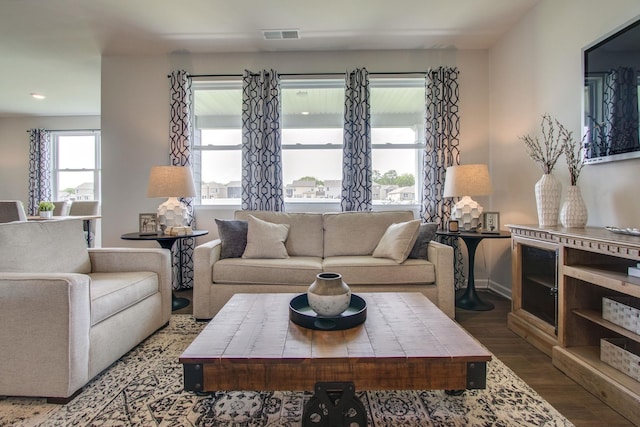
[[573, 153], [546, 154]]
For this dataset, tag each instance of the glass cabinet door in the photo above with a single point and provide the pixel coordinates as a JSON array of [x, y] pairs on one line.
[[539, 283]]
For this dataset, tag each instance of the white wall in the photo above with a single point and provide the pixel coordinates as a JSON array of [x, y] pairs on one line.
[[14, 140], [535, 69]]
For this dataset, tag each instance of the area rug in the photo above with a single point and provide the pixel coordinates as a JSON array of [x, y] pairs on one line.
[[144, 388]]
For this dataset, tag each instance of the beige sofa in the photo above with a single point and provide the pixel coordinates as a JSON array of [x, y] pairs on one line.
[[335, 242], [68, 312]]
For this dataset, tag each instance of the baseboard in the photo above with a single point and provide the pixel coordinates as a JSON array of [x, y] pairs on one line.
[[500, 289]]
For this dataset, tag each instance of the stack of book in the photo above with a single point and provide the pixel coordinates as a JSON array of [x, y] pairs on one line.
[[635, 271]]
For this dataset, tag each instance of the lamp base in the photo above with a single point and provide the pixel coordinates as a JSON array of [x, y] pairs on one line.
[[172, 213], [467, 212]]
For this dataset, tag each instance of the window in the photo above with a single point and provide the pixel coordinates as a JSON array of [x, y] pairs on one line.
[[312, 117], [76, 165]]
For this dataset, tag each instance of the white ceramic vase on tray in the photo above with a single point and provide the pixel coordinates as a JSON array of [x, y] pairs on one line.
[[329, 295]]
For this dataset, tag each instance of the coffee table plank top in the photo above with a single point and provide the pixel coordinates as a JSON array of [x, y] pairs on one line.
[[256, 328]]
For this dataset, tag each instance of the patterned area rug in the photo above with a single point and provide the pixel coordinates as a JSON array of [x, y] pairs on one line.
[[144, 388]]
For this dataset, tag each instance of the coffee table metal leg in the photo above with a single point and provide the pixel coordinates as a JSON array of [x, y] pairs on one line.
[[334, 404]]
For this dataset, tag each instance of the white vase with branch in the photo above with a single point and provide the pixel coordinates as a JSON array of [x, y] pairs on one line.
[[546, 154], [574, 212]]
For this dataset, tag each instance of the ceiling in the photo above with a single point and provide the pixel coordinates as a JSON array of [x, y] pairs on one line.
[[54, 47]]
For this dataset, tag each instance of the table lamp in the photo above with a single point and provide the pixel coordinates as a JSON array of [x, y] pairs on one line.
[[465, 181], [171, 182]]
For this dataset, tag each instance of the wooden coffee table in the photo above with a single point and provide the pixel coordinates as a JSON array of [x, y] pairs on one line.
[[405, 343]]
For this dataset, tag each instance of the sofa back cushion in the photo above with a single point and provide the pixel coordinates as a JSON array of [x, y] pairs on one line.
[[305, 230], [357, 233], [44, 247]]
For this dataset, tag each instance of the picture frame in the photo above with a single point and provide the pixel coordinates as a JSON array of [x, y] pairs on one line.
[[148, 223], [491, 222]]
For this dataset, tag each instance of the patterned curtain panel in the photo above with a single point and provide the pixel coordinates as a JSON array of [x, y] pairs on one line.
[[39, 168], [262, 182], [621, 110], [442, 149], [180, 154], [356, 155]]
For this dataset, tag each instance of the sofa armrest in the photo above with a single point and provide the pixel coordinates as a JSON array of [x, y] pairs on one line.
[[107, 260], [45, 320], [204, 258], [442, 257]]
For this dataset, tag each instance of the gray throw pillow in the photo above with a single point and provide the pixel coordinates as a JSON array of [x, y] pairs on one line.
[[233, 235], [426, 233]]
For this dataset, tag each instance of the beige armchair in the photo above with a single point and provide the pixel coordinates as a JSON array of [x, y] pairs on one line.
[[68, 312]]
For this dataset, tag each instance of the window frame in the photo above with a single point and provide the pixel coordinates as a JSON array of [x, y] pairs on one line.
[[299, 82], [55, 157]]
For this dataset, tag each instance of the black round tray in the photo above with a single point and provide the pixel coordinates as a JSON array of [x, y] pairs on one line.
[[301, 314]]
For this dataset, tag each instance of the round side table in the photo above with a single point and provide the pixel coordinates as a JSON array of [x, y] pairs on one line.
[[469, 298], [167, 242]]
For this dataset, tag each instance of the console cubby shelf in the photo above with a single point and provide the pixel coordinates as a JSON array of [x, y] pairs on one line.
[[600, 276], [592, 264], [596, 317]]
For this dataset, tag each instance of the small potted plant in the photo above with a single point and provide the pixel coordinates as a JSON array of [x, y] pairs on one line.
[[45, 209]]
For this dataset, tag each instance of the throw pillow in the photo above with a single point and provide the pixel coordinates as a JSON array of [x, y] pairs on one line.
[[397, 241], [426, 233], [233, 235], [266, 239]]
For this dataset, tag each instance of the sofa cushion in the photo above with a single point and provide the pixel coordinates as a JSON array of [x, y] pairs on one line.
[[233, 237], [265, 239], [357, 233], [426, 233], [44, 247], [113, 292], [293, 270], [305, 230], [397, 241], [359, 270]]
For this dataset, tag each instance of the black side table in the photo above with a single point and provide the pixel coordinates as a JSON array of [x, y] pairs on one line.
[[167, 242], [469, 298]]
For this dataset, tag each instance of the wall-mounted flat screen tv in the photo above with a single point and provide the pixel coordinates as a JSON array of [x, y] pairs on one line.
[[611, 96]]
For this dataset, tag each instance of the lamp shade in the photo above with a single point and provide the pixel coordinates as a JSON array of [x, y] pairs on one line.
[[171, 181], [467, 180]]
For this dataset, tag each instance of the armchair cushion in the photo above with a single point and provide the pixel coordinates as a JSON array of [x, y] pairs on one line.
[[19, 254], [113, 292]]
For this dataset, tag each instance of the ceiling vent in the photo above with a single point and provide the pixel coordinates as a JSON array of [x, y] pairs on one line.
[[281, 34]]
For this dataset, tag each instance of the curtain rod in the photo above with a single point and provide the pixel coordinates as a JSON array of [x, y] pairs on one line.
[[68, 130], [308, 74]]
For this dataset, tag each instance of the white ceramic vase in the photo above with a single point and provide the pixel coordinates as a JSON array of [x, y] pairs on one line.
[[548, 191], [329, 295], [46, 214], [574, 211]]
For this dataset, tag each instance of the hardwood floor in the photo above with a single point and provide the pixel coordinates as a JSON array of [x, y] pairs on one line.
[[534, 367], [573, 401]]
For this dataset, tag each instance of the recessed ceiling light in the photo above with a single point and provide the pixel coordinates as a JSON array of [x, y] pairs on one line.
[[305, 113], [37, 95]]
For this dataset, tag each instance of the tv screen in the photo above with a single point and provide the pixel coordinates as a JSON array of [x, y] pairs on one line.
[[611, 102]]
